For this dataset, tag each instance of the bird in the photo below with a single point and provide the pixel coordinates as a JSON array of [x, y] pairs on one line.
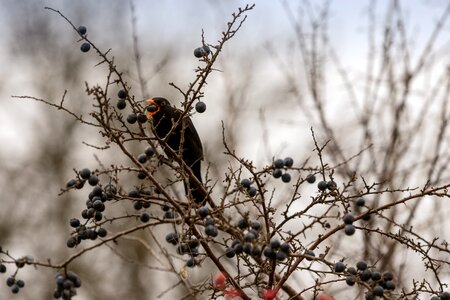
[[164, 117]]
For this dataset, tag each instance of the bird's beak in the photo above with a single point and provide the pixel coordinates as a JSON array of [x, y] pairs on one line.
[[152, 109]]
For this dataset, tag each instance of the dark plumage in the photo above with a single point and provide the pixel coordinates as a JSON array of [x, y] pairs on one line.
[[164, 116]]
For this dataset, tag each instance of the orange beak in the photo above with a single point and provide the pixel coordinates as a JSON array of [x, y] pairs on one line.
[[150, 113]]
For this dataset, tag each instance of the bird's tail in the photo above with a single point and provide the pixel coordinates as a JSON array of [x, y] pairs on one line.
[[198, 195]]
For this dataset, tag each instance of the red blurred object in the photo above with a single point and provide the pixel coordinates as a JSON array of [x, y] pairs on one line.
[[220, 280], [269, 294], [231, 293], [324, 297]]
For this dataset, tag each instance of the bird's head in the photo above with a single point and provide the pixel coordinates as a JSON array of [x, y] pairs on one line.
[[156, 104]]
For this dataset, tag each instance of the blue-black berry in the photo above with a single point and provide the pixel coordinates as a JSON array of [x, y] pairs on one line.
[[132, 118], [311, 178], [276, 173], [203, 212], [85, 47], [149, 151], [349, 229], [93, 180], [278, 163], [339, 267], [82, 30], [85, 173], [142, 158], [121, 104], [286, 177], [211, 230], [252, 191], [145, 217], [200, 107], [246, 183], [360, 201], [288, 162], [322, 185], [122, 94]]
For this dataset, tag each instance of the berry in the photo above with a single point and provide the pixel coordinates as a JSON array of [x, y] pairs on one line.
[[200, 52], [230, 252], [269, 252], [93, 180], [71, 183], [2, 268], [85, 47], [278, 163], [275, 243], [445, 296], [142, 118], [132, 118], [149, 151], [331, 185], [191, 262], [20, 283], [361, 265], [121, 104], [256, 225], [247, 248], [322, 185], [170, 214], [276, 173], [85, 173], [98, 205], [350, 280], [122, 94], [238, 248], [172, 238], [145, 217], [74, 222], [10, 281], [311, 178], [360, 201], [365, 275], [249, 236], [369, 296], [252, 191], [256, 251], [15, 289], [378, 291], [242, 224], [376, 276], [98, 216], [102, 232], [388, 276], [281, 255], [141, 175], [82, 30], [286, 177], [211, 230], [246, 183], [339, 267], [351, 271], [209, 221], [206, 48], [203, 212], [310, 253], [390, 285], [142, 158], [348, 218], [72, 242], [288, 162], [349, 229], [200, 107], [134, 194], [137, 205]]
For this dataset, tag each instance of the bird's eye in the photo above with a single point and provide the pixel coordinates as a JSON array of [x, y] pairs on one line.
[[152, 108]]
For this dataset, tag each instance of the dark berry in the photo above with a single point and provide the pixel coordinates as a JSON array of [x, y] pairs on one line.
[[445, 296], [200, 107], [15, 289], [322, 185], [246, 183], [142, 158], [435, 298], [366, 217], [98, 216], [74, 222], [275, 243], [230, 252], [247, 248], [92, 235], [388, 276], [132, 118], [249, 236], [20, 283], [288, 162], [360, 201], [252, 191], [98, 205], [85, 173], [269, 253], [72, 242], [211, 230], [376, 276], [310, 253], [110, 190], [365, 275], [122, 94], [121, 104], [207, 50], [71, 183], [242, 224], [378, 291], [102, 232], [209, 221], [85, 47], [149, 151], [93, 180], [203, 212], [238, 248], [339, 267], [276, 173], [278, 163], [200, 52], [349, 229], [256, 251], [390, 285], [331, 185], [172, 238], [281, 255], [286, 177], [137, 205], [311, 178], [79, 185], [170, 215], [82, 30], [348, 218], [361, 265], [369, 296], [351, 271], [350, 280], [191, 263], [10, 281], [134, 194], [141, 175], [256, 225], [142, 118], [2, 268], [145, 217]]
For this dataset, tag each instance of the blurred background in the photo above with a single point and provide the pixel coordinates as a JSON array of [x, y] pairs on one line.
[[371, 76]]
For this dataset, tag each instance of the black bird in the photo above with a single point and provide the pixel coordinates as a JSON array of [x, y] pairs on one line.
[[164, 117]]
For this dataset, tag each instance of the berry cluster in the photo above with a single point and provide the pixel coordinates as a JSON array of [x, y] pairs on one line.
[[278, 165], [66, 285], [247, 184], [15, 284], [202, 51], [250, 243], [190, 247], [83, 176], [379, 283], [277, 250]]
